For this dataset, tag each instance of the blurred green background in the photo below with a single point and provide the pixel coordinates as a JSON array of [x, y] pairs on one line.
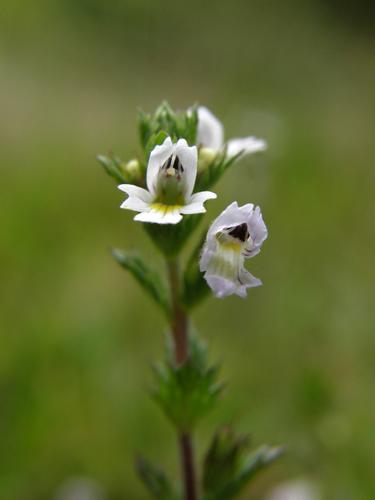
[[78, 336]]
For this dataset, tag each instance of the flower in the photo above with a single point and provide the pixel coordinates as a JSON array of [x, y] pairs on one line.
[[210, 135], [237, 234], [170, 179], [300, 489]]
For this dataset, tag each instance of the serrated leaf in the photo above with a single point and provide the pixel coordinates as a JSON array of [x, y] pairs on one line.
[[155, 480], [223, 459], [146, 277]]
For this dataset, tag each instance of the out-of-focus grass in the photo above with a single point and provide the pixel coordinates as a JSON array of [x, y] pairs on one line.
[[75, 341]]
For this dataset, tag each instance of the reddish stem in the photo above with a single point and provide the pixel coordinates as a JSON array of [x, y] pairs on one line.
[[179, 324]]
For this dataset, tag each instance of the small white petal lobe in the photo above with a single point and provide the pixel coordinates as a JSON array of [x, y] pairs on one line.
[[246, 145], [136, 192]]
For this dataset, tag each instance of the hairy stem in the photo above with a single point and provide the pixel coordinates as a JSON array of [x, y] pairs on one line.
[[179, 325]]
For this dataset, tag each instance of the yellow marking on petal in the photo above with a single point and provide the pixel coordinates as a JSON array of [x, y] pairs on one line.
[[229, 243], [165, 209]]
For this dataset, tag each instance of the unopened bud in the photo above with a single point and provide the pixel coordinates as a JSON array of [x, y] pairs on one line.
[[205, 158], [132, 168]]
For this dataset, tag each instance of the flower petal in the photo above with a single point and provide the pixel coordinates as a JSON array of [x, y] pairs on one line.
[[246, 145], [195, 205], [257, 230], [221, 287], [210, 132], [157, 157], [202, 196], [160, 216], [231, 216], [248, 280], [136, 204], [136, 192], [188, 156]]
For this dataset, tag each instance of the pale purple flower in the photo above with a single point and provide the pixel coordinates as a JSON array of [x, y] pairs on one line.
[[237, 234]]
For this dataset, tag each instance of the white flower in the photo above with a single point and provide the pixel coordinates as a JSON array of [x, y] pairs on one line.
[[210, 135], [171, 173], [295, 490], [237, 234], [80, 489]]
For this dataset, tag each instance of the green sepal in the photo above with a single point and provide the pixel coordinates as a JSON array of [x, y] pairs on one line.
[[155, 480], [210, 175], [194, 287], [228, 468], [170, 238], [149, 279], [186, 393]]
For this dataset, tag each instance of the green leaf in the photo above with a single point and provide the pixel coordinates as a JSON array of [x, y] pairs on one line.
[[112, 166], [188, 392], [195, 288], [147, 278], [223, 459], [228, 468], [155, 480]]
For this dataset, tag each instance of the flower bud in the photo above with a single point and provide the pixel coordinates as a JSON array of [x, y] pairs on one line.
[[205, 158], [132, 169]]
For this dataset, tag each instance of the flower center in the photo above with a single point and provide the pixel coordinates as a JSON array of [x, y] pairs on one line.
[[170, 185], [173, 167], [234, 237], [240, 232]]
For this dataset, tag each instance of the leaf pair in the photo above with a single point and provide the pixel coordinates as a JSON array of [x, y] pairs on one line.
[[228, 468], [187, 392]]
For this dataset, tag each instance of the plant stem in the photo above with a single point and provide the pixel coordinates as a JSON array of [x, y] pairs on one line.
[[179, 325], [179, 319]]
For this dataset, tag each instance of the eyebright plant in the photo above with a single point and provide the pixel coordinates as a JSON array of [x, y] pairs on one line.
[[182, 156]]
